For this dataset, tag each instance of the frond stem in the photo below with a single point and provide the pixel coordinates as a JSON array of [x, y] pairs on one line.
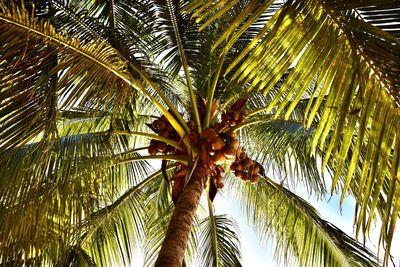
[[151, 136], [211, 91], [180, 158], [213, 228], [248, 123], [171, 106], [192, 96], [256, 111]]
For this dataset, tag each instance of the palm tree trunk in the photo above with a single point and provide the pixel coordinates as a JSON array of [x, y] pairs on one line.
[[175, 242]]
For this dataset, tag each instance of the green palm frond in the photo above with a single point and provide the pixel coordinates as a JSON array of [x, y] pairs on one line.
[[80, 175], [74, 19], [77, 257], [176, 30], [382, 14], [283, 146], [92, 75], [114, 232], [24, 35], [80, 81], [219, 243], [355, 68], [302, 237]]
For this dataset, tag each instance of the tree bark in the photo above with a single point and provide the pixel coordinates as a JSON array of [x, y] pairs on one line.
[[175, 242]]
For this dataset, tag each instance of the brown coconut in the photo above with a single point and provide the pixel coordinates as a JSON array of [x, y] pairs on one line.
[[240, 166], [238, 173], [159, 124], [152, 150], [254, 178], [210, 134], [229, 152], [248, 162], [255, 170], [162, 147], [235, 115], [164, 133], [235, 144], [163, 118], [218, 144], [219, 157], [233, 167]]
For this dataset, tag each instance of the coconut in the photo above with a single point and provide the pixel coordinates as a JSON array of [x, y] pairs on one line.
[[210, 134], [164, 133], [218, 157], [235, 115], [159, 124], [169, 128], [171, 149], [238, 173], [238, 152], [164, 118], [235, 144], [229, 152], [248, 162], [218, 144], [153, 150], [240, 166], [254, 179], [162, 147], [256, 169], [245, 177], [233, 167]]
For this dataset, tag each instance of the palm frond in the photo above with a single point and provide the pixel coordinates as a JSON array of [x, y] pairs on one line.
[[382, 14], [114, 232], [302, 237], [219, 243], [353, 62], [91, 75], [78, 176], [283, 146]]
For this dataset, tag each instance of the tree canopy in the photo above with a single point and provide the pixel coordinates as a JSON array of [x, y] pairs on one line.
[[80, 81]]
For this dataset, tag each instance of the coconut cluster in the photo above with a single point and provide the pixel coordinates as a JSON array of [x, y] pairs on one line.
[[245, 168], [218, 145], [163, 128], [233, 118], [224, 147]]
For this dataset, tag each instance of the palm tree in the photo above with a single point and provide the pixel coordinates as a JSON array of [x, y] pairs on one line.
[[222, 93]]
